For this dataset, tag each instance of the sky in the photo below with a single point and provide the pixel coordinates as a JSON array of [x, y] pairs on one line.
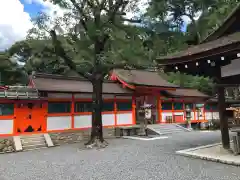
[[15, 18]]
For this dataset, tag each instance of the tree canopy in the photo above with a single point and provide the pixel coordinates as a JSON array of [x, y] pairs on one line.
[[166, 27]]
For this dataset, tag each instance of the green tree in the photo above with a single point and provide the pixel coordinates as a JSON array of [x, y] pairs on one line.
[[92, 38], [38, 55], [214, 17], [176, 11], [10, 71], [203, 84]]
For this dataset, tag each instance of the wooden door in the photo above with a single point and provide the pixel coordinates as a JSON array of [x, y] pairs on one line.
[[31, 117]]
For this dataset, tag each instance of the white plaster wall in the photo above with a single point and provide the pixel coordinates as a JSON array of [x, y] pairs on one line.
[[164, 115], [215, 115], [59, 123], [6, 126], [178, 113], [192, 116], [125, 118], [199, 117], [208, 116], [108, 120], [83, 121]]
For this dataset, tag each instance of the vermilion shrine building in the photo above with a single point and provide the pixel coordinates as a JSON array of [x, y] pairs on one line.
[[54, 103]]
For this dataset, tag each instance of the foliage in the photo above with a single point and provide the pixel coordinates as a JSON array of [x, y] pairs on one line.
[[177, 11], [86, 23], [215, 16], [10, 71], [203, 84], [38, 55], [159, 33]]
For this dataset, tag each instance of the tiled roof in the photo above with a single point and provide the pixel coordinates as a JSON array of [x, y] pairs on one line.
[[186, 92], [142, 78], [58, 83], [232, 39]]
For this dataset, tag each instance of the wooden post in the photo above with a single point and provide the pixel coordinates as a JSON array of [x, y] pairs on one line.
[[223, 118], [222, 113]]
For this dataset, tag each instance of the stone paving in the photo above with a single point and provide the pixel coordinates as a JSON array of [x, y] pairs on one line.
[[124, 159], [213, 152]]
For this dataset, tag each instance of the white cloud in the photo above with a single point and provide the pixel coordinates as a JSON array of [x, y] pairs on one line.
[[14, 22]]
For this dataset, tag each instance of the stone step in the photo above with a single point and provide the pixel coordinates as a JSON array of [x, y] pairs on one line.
[[34, 146], [33, 142], [176, 130], [166, 128], [31, 149], [33, 137], [169, 129]]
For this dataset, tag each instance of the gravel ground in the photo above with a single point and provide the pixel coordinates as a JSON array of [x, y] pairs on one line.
[[123, 160]]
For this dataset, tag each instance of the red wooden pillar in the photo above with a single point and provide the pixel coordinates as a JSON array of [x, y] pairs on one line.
[[133, 109], [184, 112], [194, 111], [115, 111], [204, 116], [72, 111], [159, 103], [172, 110]]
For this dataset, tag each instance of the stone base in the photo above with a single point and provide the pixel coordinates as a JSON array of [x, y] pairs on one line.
[[6, 145], [75, 136], [213, 152]]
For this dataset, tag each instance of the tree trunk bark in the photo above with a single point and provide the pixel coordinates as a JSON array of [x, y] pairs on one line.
[[96, 138]]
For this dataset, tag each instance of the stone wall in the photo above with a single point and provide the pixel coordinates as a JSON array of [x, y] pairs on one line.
[[75, 136], [6, 145]]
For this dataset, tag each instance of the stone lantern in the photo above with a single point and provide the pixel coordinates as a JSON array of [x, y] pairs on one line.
[[188, 116]]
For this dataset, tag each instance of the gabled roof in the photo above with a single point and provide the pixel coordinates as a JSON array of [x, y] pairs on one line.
[[59, 83], [223, 28], [142, 78], [218, 45], [220, 40]]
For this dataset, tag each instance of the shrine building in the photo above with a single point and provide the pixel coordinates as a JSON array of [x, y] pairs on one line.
[[55, 103]]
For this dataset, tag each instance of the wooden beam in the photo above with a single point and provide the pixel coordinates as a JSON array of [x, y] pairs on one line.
[[201, 56]]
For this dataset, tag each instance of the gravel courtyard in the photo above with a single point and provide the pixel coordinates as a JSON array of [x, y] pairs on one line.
[[122, 160]]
